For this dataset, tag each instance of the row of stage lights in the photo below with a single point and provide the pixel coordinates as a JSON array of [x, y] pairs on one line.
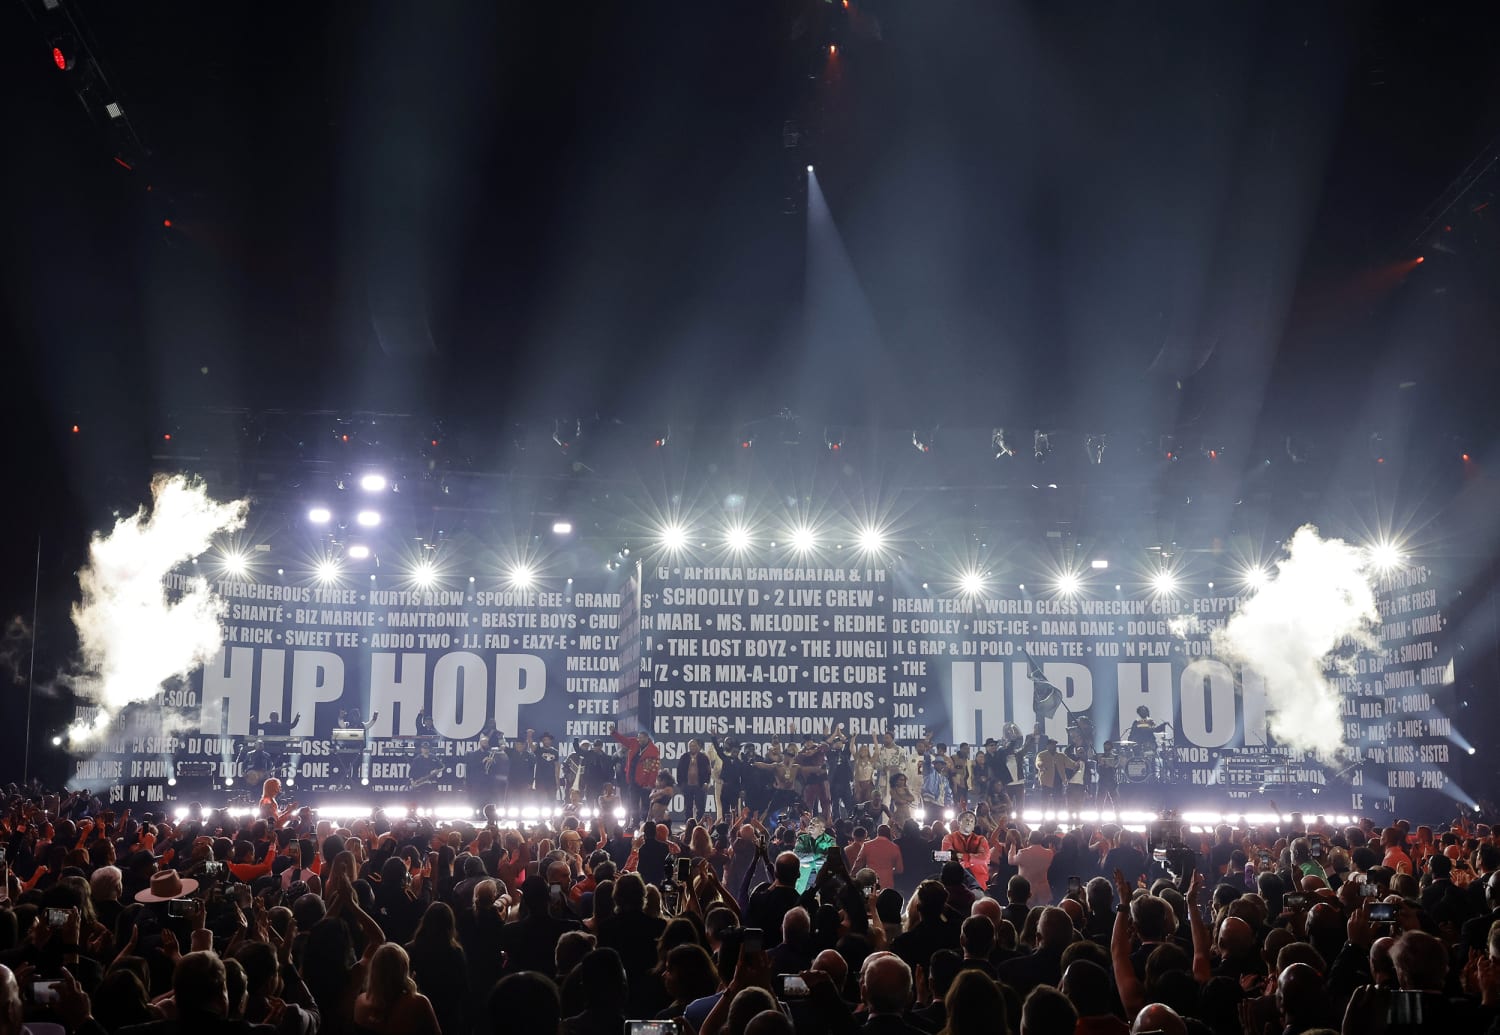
[[869, 541], [1199, 821]]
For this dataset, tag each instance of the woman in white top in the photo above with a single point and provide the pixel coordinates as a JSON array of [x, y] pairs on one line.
[[1032, 863]]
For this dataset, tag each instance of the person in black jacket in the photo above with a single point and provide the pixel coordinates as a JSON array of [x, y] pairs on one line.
[[693, 773]]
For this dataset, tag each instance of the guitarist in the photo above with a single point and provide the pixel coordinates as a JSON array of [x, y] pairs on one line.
[[425, 770]]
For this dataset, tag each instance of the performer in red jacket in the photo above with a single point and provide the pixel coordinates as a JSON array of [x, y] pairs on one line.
[[642, 763]]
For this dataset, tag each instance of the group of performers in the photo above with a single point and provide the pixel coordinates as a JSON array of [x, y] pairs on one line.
[[878, 779]]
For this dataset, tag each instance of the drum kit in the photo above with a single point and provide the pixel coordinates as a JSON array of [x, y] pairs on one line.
[[1142, 762]]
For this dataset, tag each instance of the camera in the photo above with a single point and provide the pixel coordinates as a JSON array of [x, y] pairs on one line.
[[181, 907]]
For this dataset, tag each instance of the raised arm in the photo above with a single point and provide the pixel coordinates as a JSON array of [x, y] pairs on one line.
[[1131, 995], [1202, 964]]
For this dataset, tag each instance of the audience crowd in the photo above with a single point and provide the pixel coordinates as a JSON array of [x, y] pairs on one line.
[[285, 922]]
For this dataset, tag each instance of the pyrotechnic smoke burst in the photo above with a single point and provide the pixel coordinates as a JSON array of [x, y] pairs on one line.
[[132, 636], [1320, 599]]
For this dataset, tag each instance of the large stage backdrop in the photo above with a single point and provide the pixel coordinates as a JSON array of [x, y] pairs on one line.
[[760, 652]]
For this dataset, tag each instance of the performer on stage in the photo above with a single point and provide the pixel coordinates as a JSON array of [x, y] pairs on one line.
[[547, 773], [274, 727], [425, 770], [642, 763], [258, 763], [1014, 765], [425, 728], [1052, 769], [1107, 792], [812, 775], [1144, 729], [693, 777]]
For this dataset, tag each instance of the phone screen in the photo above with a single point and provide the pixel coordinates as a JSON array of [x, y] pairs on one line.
[[1075, 885], [651, 1028], [42, 992], [790, 986], [1382, 912], [753, 940], [57, 917], [684, 869]]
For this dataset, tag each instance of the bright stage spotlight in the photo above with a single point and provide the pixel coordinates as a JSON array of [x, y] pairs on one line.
[[320, 515], [1255, 576], [803, 539], [562, 528], [235, 563], [1164, 582], [358, 552], [424, 573], [521, 576], [1385, 556], [327, 570], [1099, 564], [674, 538], [373, 483], [737, 538], [1068, 583], [871, 539], [972, 582], [368, 518]]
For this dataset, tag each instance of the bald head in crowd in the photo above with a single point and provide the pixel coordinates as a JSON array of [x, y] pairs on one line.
[[1158, 1017], [10, 1003], [986, 907], [835, 966], [885, 984], [1055, 929]]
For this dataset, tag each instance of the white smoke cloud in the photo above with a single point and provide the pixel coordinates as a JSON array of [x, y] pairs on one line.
[[1184, 626], [132, 637], [1304, 621]]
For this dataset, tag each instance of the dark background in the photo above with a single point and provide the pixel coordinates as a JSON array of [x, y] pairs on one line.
[[1185, 221]]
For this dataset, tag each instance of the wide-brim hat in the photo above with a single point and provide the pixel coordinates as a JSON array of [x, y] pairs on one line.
[[165, 886]]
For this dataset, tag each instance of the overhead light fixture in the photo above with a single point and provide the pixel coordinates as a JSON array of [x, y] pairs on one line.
[[833, 439], [235, 563], [924, 445], [368, 518], [327, 570], [1164, 582], [1041, 445], [373, 482], [972, 582], [1099, 564], [1385, 555], [358, 552], [737, 538], [674, 538], [562, 528], [424, 573], [319, 515], [1093, 447], [871, 539], [1255, 576], [1001, 447], [1068, 584], [803, 539], [521, 576]]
